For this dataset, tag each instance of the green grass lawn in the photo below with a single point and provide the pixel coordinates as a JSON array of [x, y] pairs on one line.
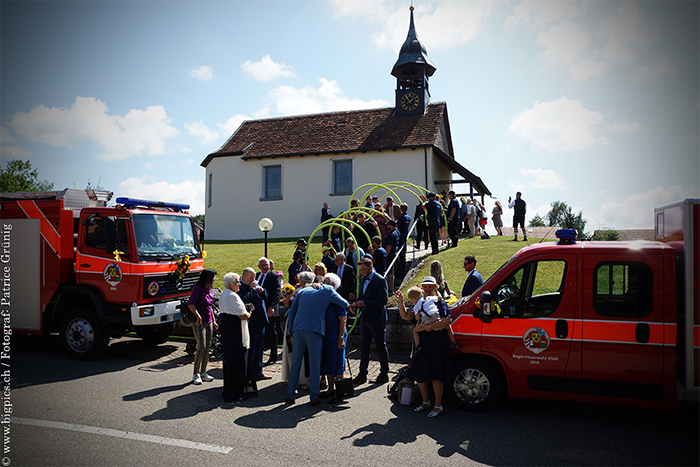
[[234, 256]]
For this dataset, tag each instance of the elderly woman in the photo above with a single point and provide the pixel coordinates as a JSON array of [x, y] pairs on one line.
[[433, 364], [333, 357], [234, 338], [201, 304]]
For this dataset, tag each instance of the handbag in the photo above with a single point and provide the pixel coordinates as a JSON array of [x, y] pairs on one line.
[[186, 315], [343, 386]]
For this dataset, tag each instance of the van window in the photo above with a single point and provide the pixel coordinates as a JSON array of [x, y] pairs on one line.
[[622, 290], [533, 291]]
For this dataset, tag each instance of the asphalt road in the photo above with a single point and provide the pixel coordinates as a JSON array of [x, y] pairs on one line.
[[136, 406]]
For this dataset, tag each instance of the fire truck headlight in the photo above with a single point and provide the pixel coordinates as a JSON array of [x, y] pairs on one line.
[[146, 311]]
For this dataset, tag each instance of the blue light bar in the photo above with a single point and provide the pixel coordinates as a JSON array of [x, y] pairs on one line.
[[133, 202], [566, 236]]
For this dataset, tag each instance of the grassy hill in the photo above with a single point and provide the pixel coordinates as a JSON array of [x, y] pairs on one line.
[[234, 256]]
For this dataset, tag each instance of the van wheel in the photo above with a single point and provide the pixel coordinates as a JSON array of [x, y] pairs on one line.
[[477, 386], [155, 334], [82, 334]]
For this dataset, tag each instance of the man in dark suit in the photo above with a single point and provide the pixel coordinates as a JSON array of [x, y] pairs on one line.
[[373, 297], [269, 281], [348, 280], [433, 213], [474, 279], [325, 215], [250, 292]]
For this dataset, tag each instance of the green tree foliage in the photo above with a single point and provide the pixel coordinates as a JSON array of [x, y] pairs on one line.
[[537, 221], [607, 235], [20, 176], [199, 218], [561, 215]]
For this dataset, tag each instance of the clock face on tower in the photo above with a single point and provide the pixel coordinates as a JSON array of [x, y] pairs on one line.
[[409, 101]]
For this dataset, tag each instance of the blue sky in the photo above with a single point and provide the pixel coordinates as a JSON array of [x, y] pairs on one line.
[[591, 103]]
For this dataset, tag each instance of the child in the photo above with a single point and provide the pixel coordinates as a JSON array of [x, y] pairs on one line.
[[426, 310]]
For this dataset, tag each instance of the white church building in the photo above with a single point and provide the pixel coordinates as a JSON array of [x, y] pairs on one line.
[[286, 168]]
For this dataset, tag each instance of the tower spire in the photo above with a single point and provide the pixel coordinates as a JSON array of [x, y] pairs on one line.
[[412, 70]]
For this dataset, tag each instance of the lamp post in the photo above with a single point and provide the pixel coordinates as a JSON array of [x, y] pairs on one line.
[[265, 225]]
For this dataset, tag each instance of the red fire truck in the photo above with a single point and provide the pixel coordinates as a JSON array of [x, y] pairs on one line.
[[74, 266], [600, 322]]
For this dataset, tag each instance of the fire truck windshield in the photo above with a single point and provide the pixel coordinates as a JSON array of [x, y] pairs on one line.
[[164, 236]]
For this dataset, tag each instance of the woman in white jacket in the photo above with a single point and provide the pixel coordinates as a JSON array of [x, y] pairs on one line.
[[234, 338]]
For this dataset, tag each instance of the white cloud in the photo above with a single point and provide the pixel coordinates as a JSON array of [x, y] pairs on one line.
[[571, 43], [662, 66], [9, 149], [267, 69], [202, 73], [623, 127], [139, 132], [327, 97], [202, 131], [545, 179], [443, 23], [636, 211], [536, 14], [560, 126], [187, 191]]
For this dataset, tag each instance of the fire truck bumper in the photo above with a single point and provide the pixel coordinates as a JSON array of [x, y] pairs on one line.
[[155, 313]]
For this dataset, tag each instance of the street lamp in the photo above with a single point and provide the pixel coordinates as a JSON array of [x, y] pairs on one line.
[[265, 225]]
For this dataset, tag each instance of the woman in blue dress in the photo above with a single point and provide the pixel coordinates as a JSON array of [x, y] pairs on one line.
[[333, 358]]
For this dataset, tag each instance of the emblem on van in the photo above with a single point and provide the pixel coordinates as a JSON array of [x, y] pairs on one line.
[[112, 274], [536, 340]]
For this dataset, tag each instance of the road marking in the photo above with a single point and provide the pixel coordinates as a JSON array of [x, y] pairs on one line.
[[123, 434]]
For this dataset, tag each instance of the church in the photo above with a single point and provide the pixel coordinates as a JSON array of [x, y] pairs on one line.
[[286, 168]]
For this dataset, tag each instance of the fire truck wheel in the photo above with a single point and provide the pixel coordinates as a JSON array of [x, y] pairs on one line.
[[191, 347], [477, 385], [155, 334], [83, 335]]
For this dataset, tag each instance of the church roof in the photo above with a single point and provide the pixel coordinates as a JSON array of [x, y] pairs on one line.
[[336, 132], [345, 132]]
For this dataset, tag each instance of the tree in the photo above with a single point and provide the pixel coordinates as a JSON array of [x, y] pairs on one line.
[[537, 221], [20, 176], [561, 215]]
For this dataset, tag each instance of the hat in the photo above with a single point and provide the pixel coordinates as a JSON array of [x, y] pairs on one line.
[[429, 280]]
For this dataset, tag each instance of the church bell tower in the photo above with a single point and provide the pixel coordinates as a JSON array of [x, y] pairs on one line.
[[412, 70]]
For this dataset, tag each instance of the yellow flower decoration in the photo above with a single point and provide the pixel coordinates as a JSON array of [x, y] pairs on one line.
[[204, 254], [116, 254]]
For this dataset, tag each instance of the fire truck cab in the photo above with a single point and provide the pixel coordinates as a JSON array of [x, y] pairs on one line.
[[91, 272], [597, 322]]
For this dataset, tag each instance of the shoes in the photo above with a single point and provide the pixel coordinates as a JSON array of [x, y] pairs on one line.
[[359, 380], [315, 402], [205, 377], [454, 345], [417, 350], [263, 378], [196, 379], [515, 239], [525, 239], [289, 401], [381, 379], [423, 406], [437, 410], [327, 394]]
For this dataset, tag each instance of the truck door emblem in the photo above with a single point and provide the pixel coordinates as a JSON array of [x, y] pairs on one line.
[[113, 274], [536, 340], [153, 288]]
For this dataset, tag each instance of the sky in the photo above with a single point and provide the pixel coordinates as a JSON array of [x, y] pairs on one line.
[[595, 104]]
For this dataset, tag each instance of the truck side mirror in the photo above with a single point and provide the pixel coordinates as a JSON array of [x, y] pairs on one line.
[[91, 220], [485, 307]]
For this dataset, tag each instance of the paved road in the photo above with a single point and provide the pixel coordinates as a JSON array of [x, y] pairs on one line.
[[137, 407]]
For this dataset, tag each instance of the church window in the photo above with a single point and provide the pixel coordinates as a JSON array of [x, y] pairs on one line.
[[272, 182], [341, 177]]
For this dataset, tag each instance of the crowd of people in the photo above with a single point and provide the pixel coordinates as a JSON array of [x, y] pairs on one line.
[[308, 317]]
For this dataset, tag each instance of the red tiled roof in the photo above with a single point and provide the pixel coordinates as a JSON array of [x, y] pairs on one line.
[[335, 132]]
